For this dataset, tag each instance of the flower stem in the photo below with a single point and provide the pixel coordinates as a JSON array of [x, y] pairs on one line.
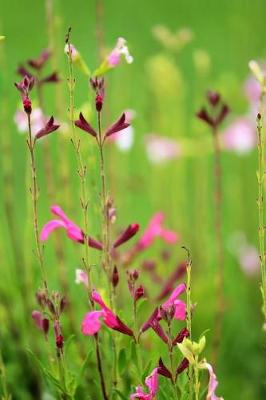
[[82, 169], [35, 195], [219, 246], [100, 369], [260, 202]]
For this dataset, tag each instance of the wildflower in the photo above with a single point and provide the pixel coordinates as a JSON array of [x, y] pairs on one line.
[[240, 136], [85, 126], [246, 254], [74, 232], [125, 141], [39, 62], [126, 235], [217, 113], [41, 322], [24, 87], [97, 85], [160, 149], [178, 306], [163, 370], [47, 129], [37, 121], [213, 383], [156, 229], [81, 277], [120, 49], [115, 277], [152, 384], [70, 50], [91, 323]]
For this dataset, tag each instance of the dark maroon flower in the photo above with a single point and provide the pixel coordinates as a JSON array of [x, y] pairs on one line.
[[147, 324], [25, 85], [59, 342], [97, 85], [41, 323], [85, 126], [52, 78], [163, 370], [115, 276], [126, 235], [95, 244], [180, 336], [182, 366], [139, 293], [204, 116], [38, 62], [21, 70], [218, 110], [213, 98], [222, 115], [48, 128], [117, 126]]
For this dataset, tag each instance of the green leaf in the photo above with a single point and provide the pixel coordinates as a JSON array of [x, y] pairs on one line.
[[122, 361], [120, 394]]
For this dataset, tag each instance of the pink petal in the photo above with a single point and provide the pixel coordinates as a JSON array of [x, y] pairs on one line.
[[213, 383], [50, 227], [173, 297], [180, 310], [81, 277], [60, 213], [152, 382], [168, 236], [37, 317], [96, 297], [91, 323]]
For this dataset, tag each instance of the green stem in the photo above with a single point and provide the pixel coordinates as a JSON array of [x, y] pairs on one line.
[[6, 395], [189, 319]]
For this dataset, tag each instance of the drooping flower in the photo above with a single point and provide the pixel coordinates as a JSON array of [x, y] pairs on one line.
[[160, 149], [49, 127], [92, 321], [81, 277], [119, 50], [213, 383], [156, 229], [73, 231], [152, 384], [240, 136]]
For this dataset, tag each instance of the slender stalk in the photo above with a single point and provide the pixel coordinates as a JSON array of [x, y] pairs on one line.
[[197, 382], [34, 190], [82, 169], [189, 319], [260, 202], [100, 369], [6, 395], [219, 246]]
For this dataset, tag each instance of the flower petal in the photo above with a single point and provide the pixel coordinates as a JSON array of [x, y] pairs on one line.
[[91, 323], [50, 227]]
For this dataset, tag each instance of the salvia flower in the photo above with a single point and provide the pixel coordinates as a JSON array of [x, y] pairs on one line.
[[40, 61], [160, 149], [24, 87], [83, 124], [240, 136], [217, 112], [97, 85], [81, 277], [213, 383], [120, 49], [73, 231], [41, 322], [92, 321], [163, 370], [174, 303], [155, 229], [152, 384], [49, 127]]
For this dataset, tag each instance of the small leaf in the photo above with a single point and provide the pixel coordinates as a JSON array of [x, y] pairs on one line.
[[122, 361]]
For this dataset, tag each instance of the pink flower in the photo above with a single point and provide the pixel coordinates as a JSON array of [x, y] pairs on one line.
[[73, 231], [91, 323], [41, 322], [125, 140], [81, 277], [152, 384], [120, 49], [240, 136], [160, 149], [178, 305], [70, 48], [37, 121], [252, 90], [213, 383], [155, 229]]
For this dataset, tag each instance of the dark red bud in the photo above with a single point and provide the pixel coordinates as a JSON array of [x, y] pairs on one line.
[[83, 124], [59, 342], [99, 102], [63, 304], [115, 277], [139, 293], [180, 336], [163, 370], [95, 244], [182, 366], [117, 126], [45, 325], [127, 234], [51, 306], [213, 98], [27, 105]]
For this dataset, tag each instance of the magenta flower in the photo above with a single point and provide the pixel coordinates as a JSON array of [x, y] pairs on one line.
[[92, 321], [178, 305], [213, 383], [152, 384], [156, 229], [73, 231]]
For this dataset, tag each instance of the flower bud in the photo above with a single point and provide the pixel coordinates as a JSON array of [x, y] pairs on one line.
[[115, 277]]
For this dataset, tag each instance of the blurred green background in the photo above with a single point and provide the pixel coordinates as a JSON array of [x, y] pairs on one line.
[[165, 88]]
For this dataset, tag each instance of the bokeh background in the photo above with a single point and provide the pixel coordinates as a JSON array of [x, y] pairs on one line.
[[165, 87]]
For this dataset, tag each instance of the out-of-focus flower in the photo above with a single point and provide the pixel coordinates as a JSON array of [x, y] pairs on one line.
[[160, 149], [77, 59], [217, 112], [174, 41], [41, 322], [81, 277], [38, 62], [37, 121], [91, 323], [124, 141], [156, 229], [152, 384], [252, 90], [24, 87], [240, 136], [246, 254], [119, 50], [73, 231], [213, 383], [70, 49], [169, 284]]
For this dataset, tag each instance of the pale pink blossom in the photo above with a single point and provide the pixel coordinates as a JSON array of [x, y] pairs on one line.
[[156, 229], [81, 277], [240, 136], [246, 254], [37, 121], [152, 384], [160, 149], [178, 305], [70, 48], [252, 90], [92, 321], [213, 383], [119, 50]]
